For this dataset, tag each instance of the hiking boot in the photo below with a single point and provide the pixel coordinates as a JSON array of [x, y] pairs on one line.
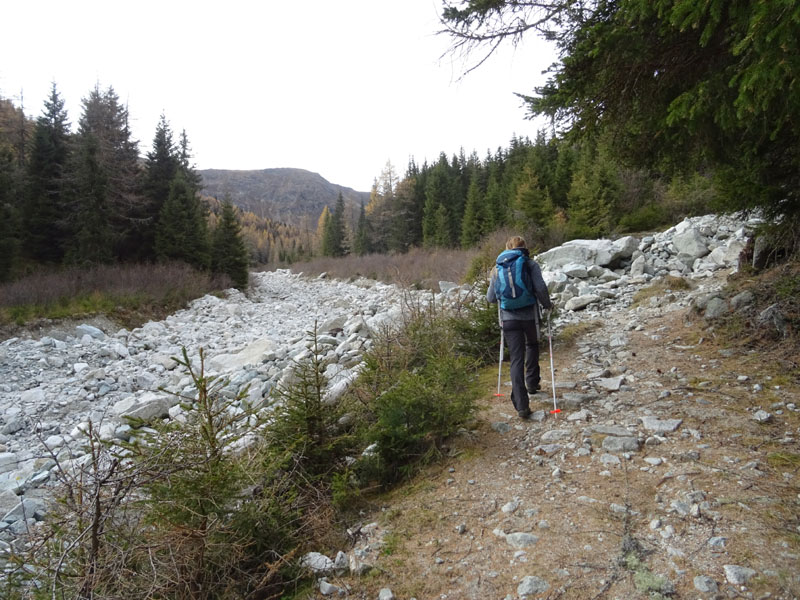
[[524, 414], [534, 390]]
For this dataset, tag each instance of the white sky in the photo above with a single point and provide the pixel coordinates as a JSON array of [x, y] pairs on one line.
[[338, 87]]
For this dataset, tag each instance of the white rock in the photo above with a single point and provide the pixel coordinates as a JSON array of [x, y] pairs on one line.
[[656, 425], [150, 406], [575, 270], [762, 416], [521, 540], [581, 302], [705, 584], [328, 589], [33, 396], [556, 281], [555, 435], [91, 331], [532, 585], [252, 354], [317, 563], [690, 243], [610, 384], [638, 266], [8, 461], [737, 575]]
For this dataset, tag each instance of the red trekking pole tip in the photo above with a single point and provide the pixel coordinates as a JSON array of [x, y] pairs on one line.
[[557, 410], [499, 395]]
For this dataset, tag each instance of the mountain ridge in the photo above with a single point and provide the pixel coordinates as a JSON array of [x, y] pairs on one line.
[[291, 195]]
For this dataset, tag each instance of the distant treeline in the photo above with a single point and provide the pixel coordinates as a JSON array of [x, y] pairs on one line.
[[548, 189]]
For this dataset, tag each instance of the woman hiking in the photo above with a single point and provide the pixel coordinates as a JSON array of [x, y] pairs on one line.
[[518, 285]]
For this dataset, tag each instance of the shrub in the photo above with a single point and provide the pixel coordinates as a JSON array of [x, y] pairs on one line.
[[644, 218], [419, 411], [304, 429], [477, 327], [416, 389]]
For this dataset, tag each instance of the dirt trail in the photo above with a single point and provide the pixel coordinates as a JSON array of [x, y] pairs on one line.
[[578, 507]]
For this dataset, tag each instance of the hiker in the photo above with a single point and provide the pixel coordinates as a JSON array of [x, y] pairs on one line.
[[521, 291]]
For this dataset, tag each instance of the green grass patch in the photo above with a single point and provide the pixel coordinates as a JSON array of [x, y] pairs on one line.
[[784, 460], [392, 543]]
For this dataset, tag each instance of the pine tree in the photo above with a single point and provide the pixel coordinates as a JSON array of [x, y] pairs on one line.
[[438, 221], [405, 227], [496, 205], [45, 226], [532, 198], [9, 226], [361, 237], [333, 241], [593, 195], [192, 177], [474, 223], [228, 252], [160, 167], [92, 243], [104, 137], [181, 233]]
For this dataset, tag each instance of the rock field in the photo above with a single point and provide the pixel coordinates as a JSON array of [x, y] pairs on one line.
[[644, 484]]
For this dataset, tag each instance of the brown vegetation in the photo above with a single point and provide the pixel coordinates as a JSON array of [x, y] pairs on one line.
[[130, 294], [417, 268]]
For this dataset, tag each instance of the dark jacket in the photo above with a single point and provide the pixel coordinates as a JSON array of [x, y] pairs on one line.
[[529, 313]]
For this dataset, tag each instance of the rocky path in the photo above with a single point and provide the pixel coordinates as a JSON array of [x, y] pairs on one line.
[[671, 472]]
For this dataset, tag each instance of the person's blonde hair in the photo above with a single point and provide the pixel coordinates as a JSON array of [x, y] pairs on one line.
[[515, 242]]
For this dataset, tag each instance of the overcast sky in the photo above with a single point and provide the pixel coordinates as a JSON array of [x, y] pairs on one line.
[[335, 87]]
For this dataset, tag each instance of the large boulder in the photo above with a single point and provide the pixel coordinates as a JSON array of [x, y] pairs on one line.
[[568, 253], [690, 244], [601, 253], [252, 354], [624, 247], [146, 407]]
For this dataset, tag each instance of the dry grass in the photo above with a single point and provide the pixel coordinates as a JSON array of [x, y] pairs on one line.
[[571, 333], [418, 268], [120, 291], [661, 287]]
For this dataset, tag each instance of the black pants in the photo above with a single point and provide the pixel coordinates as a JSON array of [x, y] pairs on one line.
[[524, 349]]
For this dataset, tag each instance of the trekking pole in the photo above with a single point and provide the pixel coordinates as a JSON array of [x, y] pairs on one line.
[[552, 370], [502, 345]]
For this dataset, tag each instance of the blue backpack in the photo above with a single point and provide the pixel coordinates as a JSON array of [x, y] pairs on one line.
[[514, 284]]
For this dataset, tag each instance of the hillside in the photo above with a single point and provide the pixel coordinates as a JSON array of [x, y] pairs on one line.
[[286, 195]]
